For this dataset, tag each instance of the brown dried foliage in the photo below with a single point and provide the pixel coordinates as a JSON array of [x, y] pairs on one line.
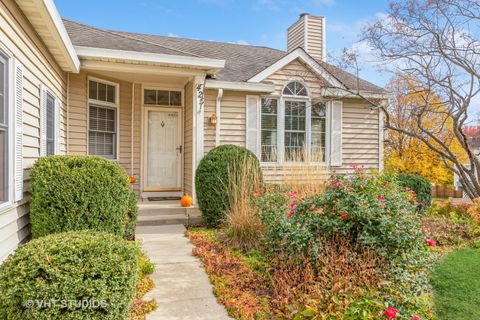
[[340, 274], [243, 292]]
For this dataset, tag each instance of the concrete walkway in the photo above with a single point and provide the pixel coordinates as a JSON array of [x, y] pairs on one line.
[[182, 288]]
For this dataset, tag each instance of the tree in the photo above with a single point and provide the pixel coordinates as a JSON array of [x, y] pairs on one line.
[[435, 42], [407, 154]]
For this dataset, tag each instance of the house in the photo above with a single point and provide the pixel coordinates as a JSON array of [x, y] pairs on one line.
[[158, 104]]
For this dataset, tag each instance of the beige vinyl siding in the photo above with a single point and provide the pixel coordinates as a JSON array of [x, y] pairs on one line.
[[296, 35], [314, 37], [232, 128], [19, 40], [78, 114], [209, 129], [188, 140]]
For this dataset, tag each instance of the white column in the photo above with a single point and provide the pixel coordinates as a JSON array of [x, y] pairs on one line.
[[197, 128]]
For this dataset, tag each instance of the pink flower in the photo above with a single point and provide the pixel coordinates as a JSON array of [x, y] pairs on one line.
[[431, 243], [293, 195], [290, 214], [337, 184], [344, 215], [381, 198], [384, 184], [416, 318], [390, 313]]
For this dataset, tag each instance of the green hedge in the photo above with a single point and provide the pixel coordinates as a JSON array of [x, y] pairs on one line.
[[421, 186], [81, 192], [213, 179], [51, 277]]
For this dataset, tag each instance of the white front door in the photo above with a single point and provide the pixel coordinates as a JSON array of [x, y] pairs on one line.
[[163, 145]]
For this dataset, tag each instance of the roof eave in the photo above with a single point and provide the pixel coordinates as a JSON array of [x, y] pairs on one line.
[[352, 94], [211, 66], [50, 26], [240, 86]]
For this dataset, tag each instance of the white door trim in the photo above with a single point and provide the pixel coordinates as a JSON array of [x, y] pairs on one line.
[[145, 147]]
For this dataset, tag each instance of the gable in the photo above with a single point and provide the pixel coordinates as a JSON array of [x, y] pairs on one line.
[[296, 70]]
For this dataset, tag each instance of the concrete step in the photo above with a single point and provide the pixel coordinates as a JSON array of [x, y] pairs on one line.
[[167, 214], [161, 211], [162, 220]]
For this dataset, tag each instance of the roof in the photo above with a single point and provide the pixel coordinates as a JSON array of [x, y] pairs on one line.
[[242, 61]]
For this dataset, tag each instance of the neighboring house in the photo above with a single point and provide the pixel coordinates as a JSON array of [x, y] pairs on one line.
[[157, 104]]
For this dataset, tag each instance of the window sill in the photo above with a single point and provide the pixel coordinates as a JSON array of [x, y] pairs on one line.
[[6, 206]]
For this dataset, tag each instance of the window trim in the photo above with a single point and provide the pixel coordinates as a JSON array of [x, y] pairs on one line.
[[281, 128], [115, 106], [10, 63]]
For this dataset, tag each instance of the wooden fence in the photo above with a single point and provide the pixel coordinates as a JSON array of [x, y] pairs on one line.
[[443, 192]]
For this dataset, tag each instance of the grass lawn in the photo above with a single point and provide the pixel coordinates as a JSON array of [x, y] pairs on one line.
[[456, 285]]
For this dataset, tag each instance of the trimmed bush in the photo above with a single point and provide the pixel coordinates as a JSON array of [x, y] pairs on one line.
[[81, 192], [216, 174], [421, 186], [73, 275]]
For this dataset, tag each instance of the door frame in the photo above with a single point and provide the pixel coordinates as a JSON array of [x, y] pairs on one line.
[[144, 170]]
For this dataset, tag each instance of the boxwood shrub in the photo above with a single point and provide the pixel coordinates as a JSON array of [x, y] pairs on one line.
[[421, 186], [73, 275], [214, 176], [81, 192]]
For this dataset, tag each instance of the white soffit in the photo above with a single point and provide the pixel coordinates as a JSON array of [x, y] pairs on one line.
[[44, 17], [240, 86]]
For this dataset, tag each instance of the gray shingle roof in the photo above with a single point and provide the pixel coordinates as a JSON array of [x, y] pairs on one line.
[[241, 61]]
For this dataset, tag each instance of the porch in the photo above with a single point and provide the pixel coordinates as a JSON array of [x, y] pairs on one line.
[[149, 120]]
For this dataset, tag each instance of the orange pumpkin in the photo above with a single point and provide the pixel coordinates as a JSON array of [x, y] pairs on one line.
[[132, 180], [186, 201]]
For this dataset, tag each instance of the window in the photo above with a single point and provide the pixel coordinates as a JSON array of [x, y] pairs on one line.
[[318, 132], [162, 97], [102, 131], [101, 91], [302, 127], [269, 130], [4, 125], [50, 113], [295, 89], [102, 119], [295, 130]]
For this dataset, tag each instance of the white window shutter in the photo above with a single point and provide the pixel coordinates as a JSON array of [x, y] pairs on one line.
[[253, 124], [43, 120], [336, 133], [57, 125], [18, 97]]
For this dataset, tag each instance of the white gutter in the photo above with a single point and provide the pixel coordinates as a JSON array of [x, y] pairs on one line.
[[218, 113], [212, 65], [240, 86]]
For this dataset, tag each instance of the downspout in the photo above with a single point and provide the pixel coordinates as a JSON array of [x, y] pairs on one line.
[[217, 112], [131, 133], [68, 115]]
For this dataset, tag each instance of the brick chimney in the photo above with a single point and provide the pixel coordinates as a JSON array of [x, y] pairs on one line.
[[308, 32]]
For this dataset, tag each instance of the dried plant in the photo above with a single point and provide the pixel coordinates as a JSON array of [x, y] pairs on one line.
[[242, 223], [328, 284]]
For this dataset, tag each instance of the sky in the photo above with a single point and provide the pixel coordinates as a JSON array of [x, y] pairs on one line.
[[255, 22]]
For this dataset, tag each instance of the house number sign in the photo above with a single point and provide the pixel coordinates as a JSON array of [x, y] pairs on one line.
[[200, 96]]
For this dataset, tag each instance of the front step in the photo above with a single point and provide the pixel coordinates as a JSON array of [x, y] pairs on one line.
[[158, 215]]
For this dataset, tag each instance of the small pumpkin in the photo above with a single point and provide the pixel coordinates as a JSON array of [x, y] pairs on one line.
[[132, 180], [186, 201]]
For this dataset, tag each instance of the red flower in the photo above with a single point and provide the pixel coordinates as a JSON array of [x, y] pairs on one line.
[[293, 206], [293, 195], [344, 215], [381, 198], [390, 313], [337, 184], [384, 184], [416, 318], [431, 243]]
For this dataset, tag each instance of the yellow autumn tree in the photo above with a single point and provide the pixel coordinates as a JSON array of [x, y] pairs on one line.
[[407, 154]]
